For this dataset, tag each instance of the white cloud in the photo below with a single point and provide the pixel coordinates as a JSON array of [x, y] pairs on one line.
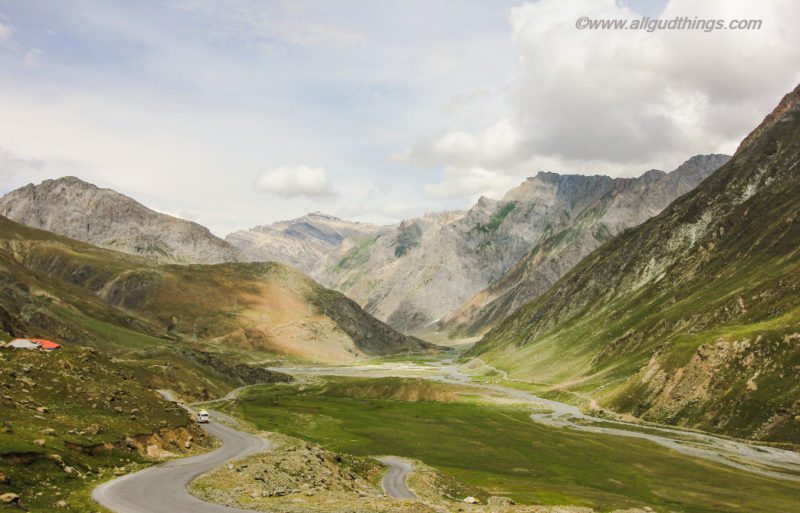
[[32, 56], [470, 182], [627, 100], [284, 80], [386, 203], [12, 167], [279, 81], [290, 181], [496, 145], [380, 213]]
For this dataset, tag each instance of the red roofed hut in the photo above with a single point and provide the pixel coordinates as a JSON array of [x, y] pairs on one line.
[[47, 345]]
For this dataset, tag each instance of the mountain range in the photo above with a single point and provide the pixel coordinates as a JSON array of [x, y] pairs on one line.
[[614, 206], [458, 272], [463, 271], [130, 325], [692, 317], [670, 297]]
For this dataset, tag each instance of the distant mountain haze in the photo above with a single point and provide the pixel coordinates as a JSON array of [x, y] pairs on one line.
[[300, 242]]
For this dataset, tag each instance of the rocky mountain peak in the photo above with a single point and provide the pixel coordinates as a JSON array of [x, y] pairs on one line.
[[82, 211], [702, 164], [483, 201], [70, 180], [64, 184], [317, 216], [323, 216], [561, 219], [652, 175], [789, 103]]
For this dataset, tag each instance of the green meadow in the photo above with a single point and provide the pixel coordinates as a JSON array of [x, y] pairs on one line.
[[498, 449]]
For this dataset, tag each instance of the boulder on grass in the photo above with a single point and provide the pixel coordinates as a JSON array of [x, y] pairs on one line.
[[9, 498], [498, 501]]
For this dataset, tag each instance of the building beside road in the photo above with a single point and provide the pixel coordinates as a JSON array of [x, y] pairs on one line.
[[33, 344], [47, 345]]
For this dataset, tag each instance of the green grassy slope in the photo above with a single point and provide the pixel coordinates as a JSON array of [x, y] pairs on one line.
[[70, 417], [693, 317], [246, 309], [501, 451], [92, 404], [52, 287]]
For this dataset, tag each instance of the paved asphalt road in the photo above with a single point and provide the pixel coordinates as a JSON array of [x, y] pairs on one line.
[[394, 482], [162, 489]]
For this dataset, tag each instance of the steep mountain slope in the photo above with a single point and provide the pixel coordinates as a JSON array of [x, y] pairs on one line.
[[57, 287], [300, 242], [73, 417], [693, 317], [629, 203], [73, 208], [48, 289], [419, 272]]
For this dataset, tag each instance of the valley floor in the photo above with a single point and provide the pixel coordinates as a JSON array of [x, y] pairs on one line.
[[502, 441], [759, 459], [465, 437]]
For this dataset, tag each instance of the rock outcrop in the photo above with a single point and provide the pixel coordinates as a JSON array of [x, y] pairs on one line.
[[79, 210]]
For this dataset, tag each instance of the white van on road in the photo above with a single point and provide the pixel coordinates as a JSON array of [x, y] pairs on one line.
[[202, 417]]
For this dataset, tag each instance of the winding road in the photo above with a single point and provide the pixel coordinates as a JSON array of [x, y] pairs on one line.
[[394, 481], [162, 489]]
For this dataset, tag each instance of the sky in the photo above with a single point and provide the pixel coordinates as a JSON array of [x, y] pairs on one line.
[[238, 113]]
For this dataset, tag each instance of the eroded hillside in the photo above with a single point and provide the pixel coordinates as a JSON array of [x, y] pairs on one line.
[[61, 288]]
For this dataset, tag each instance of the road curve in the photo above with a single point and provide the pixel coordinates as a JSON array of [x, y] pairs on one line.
[[162, 489], [394, 481]]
